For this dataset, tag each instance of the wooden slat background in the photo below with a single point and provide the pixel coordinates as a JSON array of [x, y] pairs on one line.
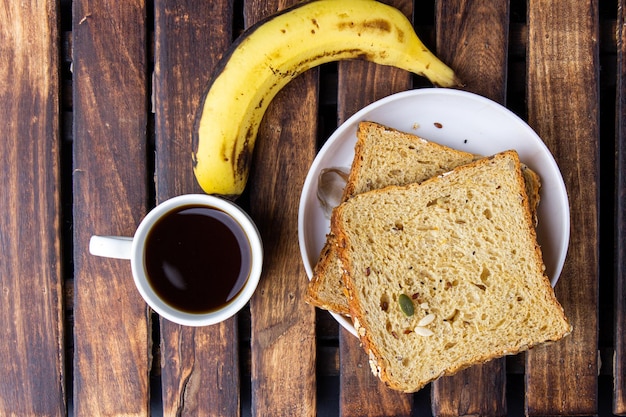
[[112, 340], [101, 96], [31, 314], [619, 368], [563, 99]]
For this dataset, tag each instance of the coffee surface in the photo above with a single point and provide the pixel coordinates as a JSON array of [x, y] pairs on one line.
[[197, 259]]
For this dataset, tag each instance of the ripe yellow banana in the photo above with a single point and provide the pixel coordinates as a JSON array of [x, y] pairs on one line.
[[276, 50]]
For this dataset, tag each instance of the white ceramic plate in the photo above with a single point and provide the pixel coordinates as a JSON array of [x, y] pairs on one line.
[[457, 119]]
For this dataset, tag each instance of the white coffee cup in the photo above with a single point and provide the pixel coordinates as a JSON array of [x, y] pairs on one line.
[[134, 249]]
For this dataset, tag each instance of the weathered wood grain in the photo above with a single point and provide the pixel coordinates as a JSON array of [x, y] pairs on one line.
[[472, 37], [200, 369], [112, 344], [476, 391], [563, 102], [283, 325], [361, 393], [31, 300], [619, 369], [112, 179]]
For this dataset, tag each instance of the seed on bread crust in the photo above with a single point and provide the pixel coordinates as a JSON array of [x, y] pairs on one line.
[[406, 305], [426, 320], [423, 331]]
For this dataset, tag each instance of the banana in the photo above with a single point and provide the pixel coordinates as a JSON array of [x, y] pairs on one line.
[[273, 52]]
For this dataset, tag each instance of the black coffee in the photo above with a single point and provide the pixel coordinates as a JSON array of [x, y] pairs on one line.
[[197, 258]]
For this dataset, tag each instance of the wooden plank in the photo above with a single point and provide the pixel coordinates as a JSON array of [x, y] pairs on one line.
[[479, 390], [619, 369], [112, 343], [200, 370], [472, 36], [31, 304], [563, 103], [283, 325], [362, 393]]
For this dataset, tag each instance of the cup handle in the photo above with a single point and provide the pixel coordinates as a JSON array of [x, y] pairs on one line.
[[117, 247]]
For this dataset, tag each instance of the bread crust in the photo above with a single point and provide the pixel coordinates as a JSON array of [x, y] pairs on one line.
[[327, 266]]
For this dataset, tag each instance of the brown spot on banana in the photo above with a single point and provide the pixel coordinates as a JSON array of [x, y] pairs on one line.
[[378, 24], [401, 34], [223, 153], [374, 25], [241, 164]]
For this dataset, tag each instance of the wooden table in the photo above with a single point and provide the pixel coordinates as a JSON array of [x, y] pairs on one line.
[[97, 100]]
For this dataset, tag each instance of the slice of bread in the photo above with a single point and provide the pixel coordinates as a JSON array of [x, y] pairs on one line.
[[383, 157], [460, 250]]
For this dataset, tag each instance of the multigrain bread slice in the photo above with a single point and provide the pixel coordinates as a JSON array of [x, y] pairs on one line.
[[460, 250], [384, 157]]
